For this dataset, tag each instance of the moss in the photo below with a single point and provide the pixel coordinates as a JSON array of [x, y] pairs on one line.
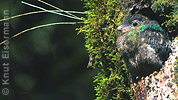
[[104, 16], [168, 9]]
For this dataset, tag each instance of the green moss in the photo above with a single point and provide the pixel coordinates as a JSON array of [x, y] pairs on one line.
[[100, 33], [168, 9], [104, 16]]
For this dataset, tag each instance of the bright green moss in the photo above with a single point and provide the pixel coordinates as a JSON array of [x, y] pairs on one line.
[[104, 16], [100, 33], [168, 9]]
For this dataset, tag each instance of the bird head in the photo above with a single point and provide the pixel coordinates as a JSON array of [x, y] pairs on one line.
[[139, 23], [132, 21]]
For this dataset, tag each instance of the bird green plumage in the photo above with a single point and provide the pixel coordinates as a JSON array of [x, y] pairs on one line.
[[144, 45]]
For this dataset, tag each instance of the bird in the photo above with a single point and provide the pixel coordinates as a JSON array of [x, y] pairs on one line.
[[143, 44]]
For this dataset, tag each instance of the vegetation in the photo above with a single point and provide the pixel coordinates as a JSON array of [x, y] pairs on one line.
[[168, 9], [104, 16], [100, 24], [101, 35]]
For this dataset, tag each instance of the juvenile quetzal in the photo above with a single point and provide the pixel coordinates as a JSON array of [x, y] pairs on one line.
[[144, 45]]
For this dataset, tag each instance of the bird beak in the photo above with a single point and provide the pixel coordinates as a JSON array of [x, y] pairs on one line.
[[120, 27], [123, 27]]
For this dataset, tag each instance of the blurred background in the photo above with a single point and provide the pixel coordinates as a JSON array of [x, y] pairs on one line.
[[48, 63]]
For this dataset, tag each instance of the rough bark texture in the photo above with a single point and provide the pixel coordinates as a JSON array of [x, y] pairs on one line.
[[160, 85]]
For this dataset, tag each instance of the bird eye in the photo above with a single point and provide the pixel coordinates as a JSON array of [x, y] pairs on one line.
[[136, 23]]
